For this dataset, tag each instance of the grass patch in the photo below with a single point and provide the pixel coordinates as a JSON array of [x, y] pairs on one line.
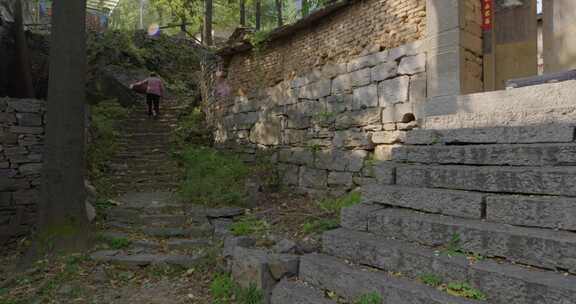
[[335, 205], [119, 243], [331, 208], [213, 178], [104, 130], [431, 279], [191, 129], [370, 298], [320, 226], [224, 291], [464, 290], [249, 225]]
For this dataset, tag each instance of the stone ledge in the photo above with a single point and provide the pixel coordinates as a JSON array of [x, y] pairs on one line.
[[501, 282]]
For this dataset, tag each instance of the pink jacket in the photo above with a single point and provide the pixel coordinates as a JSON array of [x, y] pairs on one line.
[[155, 86]]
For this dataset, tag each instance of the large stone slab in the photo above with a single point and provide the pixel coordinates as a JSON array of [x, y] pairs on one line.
[[527, 180], [264, 270], [497, 155], [551, 133], [534, 211], [502, 283], [351, 283], [393, 91], [360, 118], [287, 292], [545, 96], [449, 202], [563, 115], [316, 90], [340, 160], [533, 246], [365, 97]]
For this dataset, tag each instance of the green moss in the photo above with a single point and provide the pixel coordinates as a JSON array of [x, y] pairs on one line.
[[213, 178], [370, 298], [464, 290], [319, 226], [335, 205], [431, 279], [249, 225]]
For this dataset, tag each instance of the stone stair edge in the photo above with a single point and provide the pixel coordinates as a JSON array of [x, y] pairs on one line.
[[491, 277], [545, 248], [351, 282]]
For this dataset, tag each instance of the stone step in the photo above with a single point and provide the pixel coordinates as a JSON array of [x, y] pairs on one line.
[[350, 282], [164, 220], [294, 292], [177, 232], [544, 248], [525, 180], [502, 283], [536, 155], [139, 260], [538, 97], [187, 244], [127, 188], [551, 133], [448, 202], [521, 117], [520, 210]]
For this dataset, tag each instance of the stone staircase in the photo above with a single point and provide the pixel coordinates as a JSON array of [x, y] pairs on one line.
[[486, 199], [158, 228], [144, 161]]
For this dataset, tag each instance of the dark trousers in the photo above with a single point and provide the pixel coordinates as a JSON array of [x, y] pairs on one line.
[[153, 102]]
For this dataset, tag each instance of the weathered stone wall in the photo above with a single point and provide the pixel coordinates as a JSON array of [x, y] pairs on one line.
[[326, 125], [21, 146], [361, 28]]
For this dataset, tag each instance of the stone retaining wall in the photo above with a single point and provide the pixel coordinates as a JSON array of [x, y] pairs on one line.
[[21, 146], [327, 124]]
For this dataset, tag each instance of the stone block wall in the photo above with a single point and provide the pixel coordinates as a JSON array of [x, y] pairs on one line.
[[360, 28], [21, 146], [327, 126]]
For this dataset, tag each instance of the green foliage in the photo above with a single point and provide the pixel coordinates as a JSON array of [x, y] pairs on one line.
[[224, 291], [370, 298], [335, 205], [454, 247], [191, 129], [222, 288], [250, 295], [319, 226], [104, 130], [119, 243], [249, 225], [213, 178], [431, 279], [461, 289]]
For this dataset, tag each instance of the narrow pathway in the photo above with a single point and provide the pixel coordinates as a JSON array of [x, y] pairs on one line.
[[144, 161], [151, 229]]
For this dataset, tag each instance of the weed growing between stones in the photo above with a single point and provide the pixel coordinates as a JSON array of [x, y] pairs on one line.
[[250, 225], [462, 289], [213, 178], [225, 291], [430, 279], [459, 289], [331, 208], [370, 298], [119, 243]]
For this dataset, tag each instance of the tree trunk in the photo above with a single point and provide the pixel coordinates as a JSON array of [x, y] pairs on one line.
[[63, 221], [23, 83], [208, 22], [243, 12], [279, 12], [258, 14]]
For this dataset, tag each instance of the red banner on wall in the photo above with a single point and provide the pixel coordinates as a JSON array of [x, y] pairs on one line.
[[487, 12]]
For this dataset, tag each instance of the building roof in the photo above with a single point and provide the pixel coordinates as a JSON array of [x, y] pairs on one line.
[[102, 6]]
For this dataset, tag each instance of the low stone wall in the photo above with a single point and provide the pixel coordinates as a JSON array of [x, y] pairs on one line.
[[21, 146], [326, 125]]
